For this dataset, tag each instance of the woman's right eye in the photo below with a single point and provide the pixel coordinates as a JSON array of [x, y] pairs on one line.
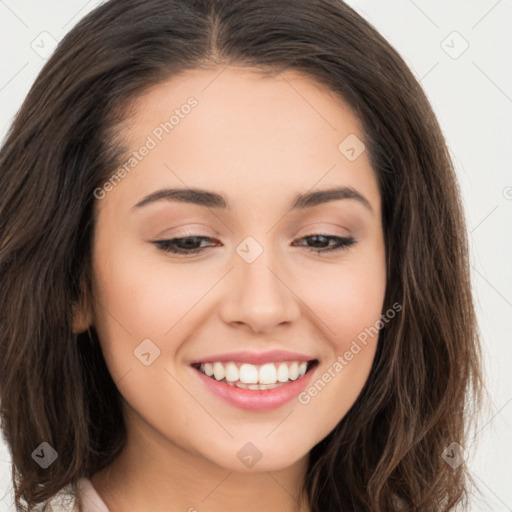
[[189, 242]]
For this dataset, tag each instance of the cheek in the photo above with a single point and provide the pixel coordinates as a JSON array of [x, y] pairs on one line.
[[348, 300], [350, 307], [142, 293], [140, 296]]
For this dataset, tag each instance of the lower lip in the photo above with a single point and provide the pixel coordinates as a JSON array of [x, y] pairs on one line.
[[257, 399]]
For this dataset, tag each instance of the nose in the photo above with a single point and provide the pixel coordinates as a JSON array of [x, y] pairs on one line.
[[258, 296]]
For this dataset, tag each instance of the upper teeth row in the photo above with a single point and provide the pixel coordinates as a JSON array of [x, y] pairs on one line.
[[268, 373]]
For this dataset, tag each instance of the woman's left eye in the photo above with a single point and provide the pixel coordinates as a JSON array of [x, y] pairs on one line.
[[189, 245]]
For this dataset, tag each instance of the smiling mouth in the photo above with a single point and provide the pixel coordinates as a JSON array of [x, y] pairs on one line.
[[253, 376]]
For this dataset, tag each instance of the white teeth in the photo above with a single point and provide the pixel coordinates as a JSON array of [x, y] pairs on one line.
[[268, 374], [249, 374], [232, 373], [294, 371], [253, 386], [208, 369], [252, 376], [218, 371], [282, 373]]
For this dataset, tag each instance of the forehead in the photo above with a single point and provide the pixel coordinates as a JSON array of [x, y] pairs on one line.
[[247, 135]]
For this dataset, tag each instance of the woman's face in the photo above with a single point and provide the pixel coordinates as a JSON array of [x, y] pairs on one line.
[[258, 303]]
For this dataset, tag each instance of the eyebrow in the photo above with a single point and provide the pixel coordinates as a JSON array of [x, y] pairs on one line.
[[213, 200]]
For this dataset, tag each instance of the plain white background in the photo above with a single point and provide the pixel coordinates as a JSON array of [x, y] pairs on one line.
[[461, 52]]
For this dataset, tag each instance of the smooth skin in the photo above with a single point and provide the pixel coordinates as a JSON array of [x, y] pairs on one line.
[[259, 141]]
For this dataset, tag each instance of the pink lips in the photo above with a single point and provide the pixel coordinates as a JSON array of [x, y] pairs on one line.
[[256, 399]]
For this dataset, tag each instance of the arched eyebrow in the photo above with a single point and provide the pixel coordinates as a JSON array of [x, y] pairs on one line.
[[210, 199]]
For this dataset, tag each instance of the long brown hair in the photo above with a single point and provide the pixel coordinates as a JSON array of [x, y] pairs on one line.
[[425, 387]]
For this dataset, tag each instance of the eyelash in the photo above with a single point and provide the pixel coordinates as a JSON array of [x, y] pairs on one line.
[[169, 246]]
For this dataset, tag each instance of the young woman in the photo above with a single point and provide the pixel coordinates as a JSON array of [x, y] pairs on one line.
[[233, 269]]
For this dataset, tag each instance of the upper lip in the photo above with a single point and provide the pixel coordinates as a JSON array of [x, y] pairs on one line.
[[246, 356]]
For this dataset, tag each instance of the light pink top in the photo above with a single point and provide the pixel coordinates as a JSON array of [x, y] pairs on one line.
[[91, 499]]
